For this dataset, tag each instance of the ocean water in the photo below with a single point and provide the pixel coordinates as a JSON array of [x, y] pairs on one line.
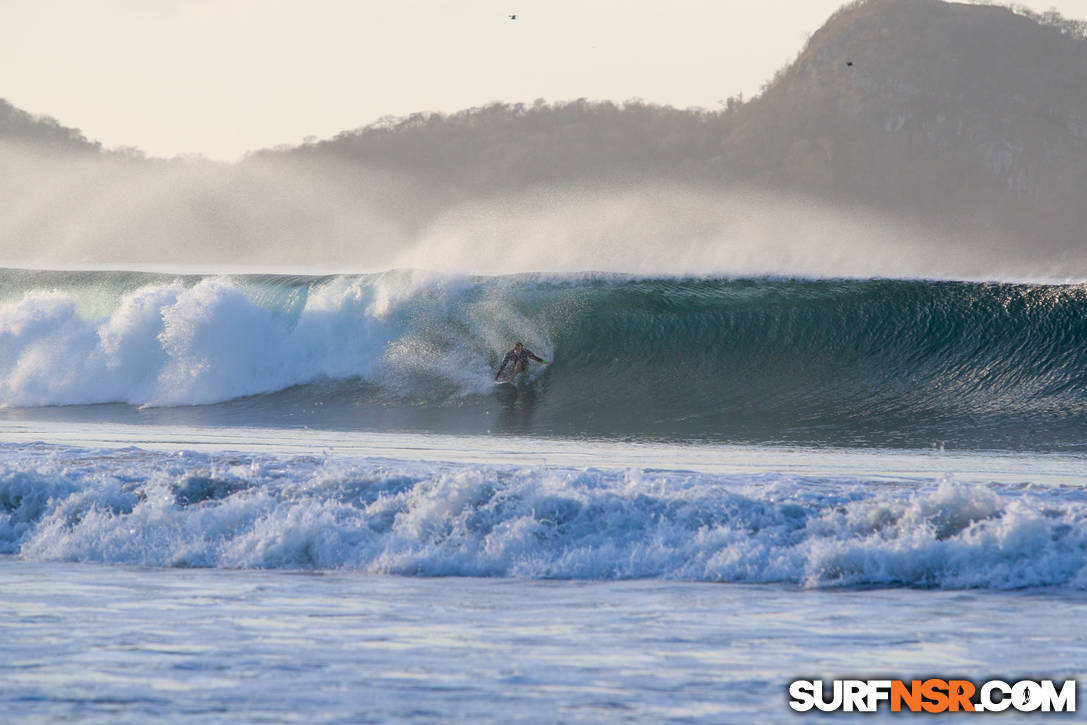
[[255, 498]]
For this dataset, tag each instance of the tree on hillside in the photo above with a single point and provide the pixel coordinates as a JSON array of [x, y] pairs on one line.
[[20, 126]]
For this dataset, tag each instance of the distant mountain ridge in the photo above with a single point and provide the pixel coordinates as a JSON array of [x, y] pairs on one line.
[[966, 116], [931, 108]]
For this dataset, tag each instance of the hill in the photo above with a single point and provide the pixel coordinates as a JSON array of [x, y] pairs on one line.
[[971, 115], [948, 111], [967, 118]]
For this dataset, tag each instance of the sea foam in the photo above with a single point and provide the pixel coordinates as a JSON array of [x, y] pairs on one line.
[[213, 339], [415, 518]]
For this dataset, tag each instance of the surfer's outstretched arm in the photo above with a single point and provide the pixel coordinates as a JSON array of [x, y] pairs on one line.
[[534, 356]]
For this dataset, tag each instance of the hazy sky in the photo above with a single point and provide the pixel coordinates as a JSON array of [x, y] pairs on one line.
[[220, 77]]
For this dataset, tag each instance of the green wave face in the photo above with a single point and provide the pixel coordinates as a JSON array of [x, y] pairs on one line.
[[882, 362]]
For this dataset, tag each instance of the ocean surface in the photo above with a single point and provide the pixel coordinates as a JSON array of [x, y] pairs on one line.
[[254, 498]]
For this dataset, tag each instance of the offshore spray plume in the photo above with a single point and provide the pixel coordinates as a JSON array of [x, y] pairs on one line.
[[319, 215]]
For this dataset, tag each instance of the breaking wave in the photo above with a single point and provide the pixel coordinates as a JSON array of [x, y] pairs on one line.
[[873, 361], [383, 516]]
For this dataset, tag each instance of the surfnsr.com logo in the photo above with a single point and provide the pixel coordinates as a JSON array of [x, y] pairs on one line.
[[933, 695]]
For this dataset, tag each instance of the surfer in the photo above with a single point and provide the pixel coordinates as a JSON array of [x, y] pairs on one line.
[[516, 359]]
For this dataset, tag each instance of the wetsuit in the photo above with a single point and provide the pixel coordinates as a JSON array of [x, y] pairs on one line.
[[518, 359]]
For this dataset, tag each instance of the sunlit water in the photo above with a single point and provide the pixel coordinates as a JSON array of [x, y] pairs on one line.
[[107, 644]]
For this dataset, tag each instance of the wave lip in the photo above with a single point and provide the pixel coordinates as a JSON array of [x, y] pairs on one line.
[[443, 519]]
